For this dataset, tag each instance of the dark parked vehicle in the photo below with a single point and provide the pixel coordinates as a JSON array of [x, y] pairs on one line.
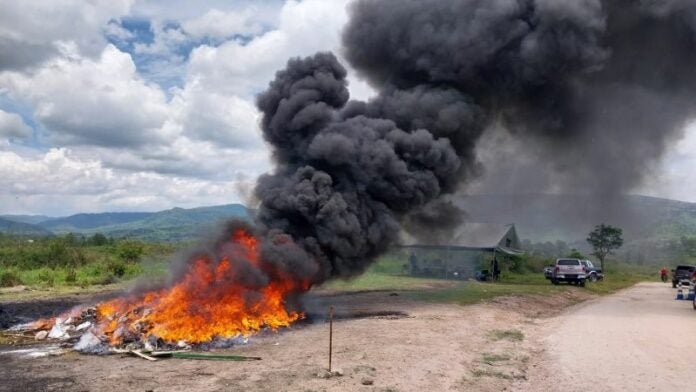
[[548, 272], [682, 274], [593, 273]]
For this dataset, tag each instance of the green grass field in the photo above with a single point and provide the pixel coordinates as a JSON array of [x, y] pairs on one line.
[[386, 275], [63, 265]]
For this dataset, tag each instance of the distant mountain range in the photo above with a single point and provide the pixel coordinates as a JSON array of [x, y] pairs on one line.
[[175, 224], [550, 217], [538, 217], [21, 228]]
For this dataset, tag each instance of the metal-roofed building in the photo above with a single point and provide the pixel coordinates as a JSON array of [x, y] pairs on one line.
[[466, 251]]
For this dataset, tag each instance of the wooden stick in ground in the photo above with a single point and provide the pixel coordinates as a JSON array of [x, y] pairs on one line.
[[330, 335]]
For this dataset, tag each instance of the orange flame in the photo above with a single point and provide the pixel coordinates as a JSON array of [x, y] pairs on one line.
[[204, 304]]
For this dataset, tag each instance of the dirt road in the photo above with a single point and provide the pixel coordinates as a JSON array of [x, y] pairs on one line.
[[640, 339]]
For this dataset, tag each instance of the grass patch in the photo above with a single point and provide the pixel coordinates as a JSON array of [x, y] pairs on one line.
[[491, 358], [467, 293], [378, 281], [491, 373], [524, 284], [386, 274], [507, 334], [618, 279]]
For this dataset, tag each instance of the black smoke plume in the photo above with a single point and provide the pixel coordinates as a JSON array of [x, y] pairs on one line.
[[599, 87]]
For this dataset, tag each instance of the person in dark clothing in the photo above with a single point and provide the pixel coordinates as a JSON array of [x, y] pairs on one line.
[[496, 269], [413, 260]]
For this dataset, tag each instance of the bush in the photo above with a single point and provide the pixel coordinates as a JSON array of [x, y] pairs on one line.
[[9, 278], [98, 239], [71, 275], [130, 251], [58, 253], [47, 276], [117, 268]]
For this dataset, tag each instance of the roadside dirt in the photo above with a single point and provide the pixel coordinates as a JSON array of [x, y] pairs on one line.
[[383, 341], [639, 339]]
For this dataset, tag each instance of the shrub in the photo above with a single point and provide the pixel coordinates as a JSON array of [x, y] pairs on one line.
[[98, 239], [58, 253], [47, 276], [9, 278], [117, 268], [130, 251], [71, 275]]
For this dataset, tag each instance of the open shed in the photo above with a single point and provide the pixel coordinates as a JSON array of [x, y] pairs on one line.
[[471, 247]]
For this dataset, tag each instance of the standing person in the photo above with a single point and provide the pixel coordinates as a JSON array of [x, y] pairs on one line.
[[496, 269], [413, 260], [663, 274]]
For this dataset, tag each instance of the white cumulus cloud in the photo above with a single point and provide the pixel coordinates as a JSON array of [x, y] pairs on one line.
[[13, 127]]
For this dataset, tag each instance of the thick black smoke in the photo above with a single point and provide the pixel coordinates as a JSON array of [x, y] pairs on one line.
[[601, 87]]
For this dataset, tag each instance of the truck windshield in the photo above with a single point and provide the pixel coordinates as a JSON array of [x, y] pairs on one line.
[[568, 262], [685, 268]]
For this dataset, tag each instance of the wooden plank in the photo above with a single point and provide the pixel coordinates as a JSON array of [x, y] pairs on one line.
[[141, 355]]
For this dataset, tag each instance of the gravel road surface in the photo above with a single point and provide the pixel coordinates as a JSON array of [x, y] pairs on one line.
[[639, 339]]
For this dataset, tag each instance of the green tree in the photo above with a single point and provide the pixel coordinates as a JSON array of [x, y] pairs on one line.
[[130, 251], [575, 254], [58, 253], [604, 239], [98, 239], [70, 239]]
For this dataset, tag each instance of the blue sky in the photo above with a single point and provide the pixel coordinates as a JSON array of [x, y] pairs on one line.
[[130, 105]]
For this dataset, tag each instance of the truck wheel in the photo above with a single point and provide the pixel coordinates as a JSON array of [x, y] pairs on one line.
[[674, 284], [694, 303], [554, 281], [593, 278], [582, 283]]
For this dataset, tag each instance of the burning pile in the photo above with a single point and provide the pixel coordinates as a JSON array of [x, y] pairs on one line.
[[213, 301]]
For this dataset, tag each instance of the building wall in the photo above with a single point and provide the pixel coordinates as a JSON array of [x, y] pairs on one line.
[[458, 264]]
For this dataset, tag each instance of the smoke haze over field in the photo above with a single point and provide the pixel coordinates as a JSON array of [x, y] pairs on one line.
[[590, 93]]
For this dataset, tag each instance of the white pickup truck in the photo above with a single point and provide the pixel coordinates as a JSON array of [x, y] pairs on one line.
[[569, 270]]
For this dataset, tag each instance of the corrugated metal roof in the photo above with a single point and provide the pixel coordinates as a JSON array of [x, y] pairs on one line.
[[474, 236]]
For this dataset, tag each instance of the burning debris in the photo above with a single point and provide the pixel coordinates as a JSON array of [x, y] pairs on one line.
[[213, 303]]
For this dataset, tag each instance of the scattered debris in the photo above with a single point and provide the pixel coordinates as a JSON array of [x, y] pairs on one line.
[[36, 352], [367, 381], [57, 332], [41, 335], [88, 341]]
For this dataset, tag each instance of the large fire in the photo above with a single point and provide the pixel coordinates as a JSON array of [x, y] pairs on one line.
[[208, 302]]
